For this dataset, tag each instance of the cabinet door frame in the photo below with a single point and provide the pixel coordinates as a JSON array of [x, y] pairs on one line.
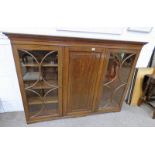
[[103, 74], [17, 47], [66, 76]]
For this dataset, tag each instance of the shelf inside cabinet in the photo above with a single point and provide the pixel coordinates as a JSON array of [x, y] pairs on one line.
[[44, 113], [42, 84], [37, 100], [31, 76], [42, 65], [34, 76]]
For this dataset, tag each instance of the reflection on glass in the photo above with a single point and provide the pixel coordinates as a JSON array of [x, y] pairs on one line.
[[115, 81], [40, 77]]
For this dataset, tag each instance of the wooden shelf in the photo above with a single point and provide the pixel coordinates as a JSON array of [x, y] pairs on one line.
[[43, 85], [31, 76], [45, 113], [37, 100], [43, 65]]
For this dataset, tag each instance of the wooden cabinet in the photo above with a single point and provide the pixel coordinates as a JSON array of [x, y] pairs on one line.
[[63, 76]]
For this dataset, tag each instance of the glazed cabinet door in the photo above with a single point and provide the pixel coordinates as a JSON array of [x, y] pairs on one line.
[[81, 72], [39, 72], [115, 79]]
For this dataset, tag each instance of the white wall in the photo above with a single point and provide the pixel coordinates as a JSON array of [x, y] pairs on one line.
[[10, 98]]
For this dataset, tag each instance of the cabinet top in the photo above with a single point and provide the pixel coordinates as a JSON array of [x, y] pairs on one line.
[[20, 38]]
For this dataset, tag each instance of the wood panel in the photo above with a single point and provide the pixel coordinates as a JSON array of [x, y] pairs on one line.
[[83, 70], [72, 41]]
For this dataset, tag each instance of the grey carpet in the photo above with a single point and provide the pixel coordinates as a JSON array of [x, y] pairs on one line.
[[129, 117]]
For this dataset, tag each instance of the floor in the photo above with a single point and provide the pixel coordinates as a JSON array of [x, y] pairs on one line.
[[129, 116]]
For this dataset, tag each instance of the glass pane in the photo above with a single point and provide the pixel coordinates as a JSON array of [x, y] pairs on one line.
[[40, 77], [115, 80]]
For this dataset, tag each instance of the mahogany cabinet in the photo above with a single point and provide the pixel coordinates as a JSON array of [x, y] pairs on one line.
[[65, 76]]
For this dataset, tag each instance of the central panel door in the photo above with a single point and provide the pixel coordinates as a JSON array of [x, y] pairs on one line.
[[82, 66]]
